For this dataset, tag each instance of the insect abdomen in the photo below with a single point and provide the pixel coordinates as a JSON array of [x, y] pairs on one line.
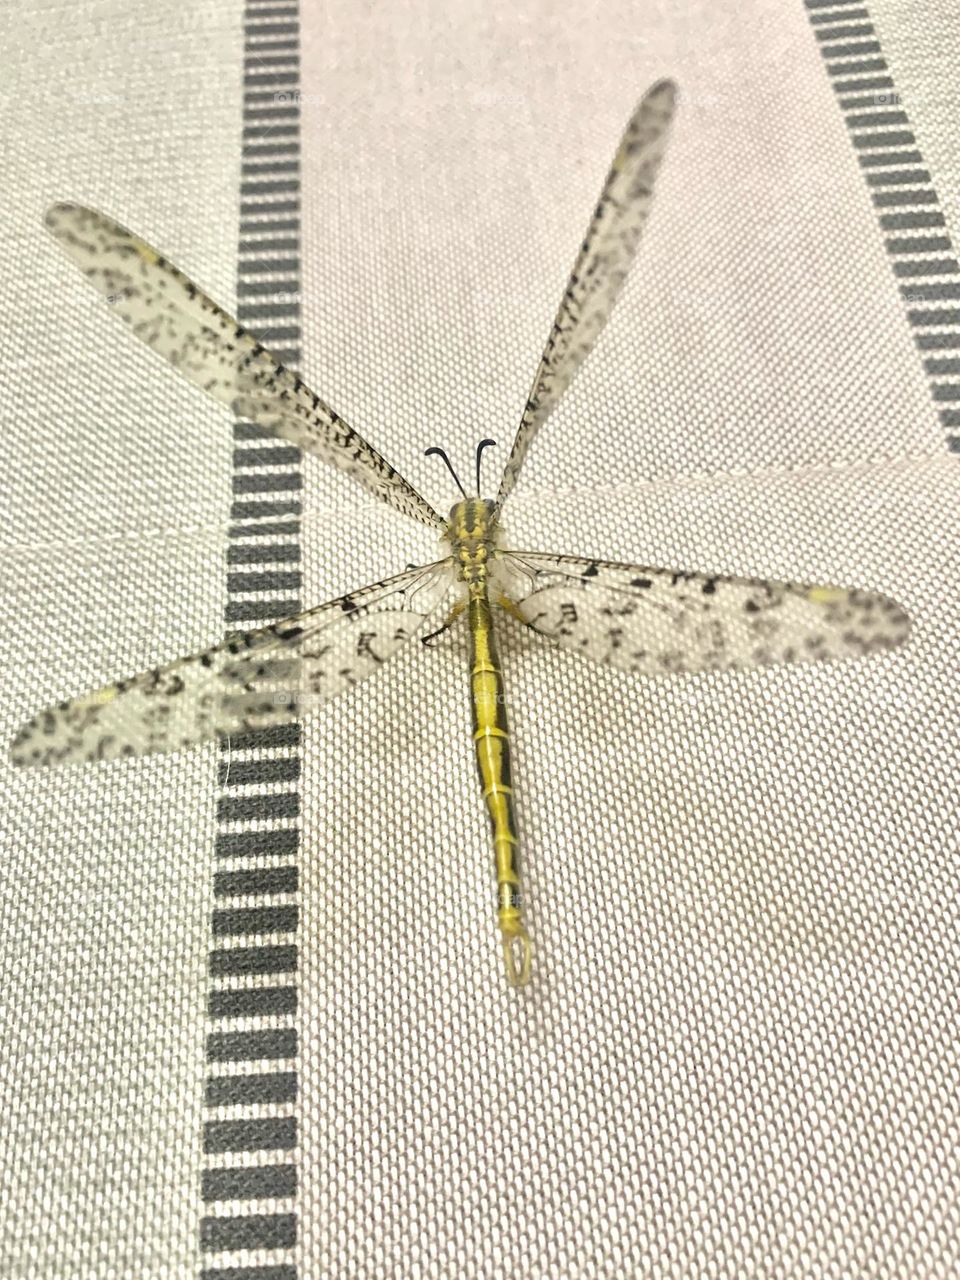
[[492, 744]]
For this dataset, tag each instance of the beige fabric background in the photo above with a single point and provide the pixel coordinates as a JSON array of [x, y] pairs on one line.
[[738, 1057]]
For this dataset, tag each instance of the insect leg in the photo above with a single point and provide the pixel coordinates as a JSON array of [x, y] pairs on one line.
[[512, 608], [451, 617]]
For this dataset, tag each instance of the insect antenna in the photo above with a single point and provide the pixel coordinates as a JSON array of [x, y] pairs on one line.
[[480, 448], [440, 453]]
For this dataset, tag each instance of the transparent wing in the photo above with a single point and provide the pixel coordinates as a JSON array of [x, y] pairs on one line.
[[169, 313], [251, 681], [601, 267], [658, 622]]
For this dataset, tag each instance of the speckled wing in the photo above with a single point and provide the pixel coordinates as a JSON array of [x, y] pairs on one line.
[[171, 315], [252, 681], [659, 622], [601, 267]]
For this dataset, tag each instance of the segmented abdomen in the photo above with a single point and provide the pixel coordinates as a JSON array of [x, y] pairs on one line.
[[492, 744]]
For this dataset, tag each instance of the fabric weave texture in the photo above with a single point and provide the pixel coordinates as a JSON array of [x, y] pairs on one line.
[[738, 1055]]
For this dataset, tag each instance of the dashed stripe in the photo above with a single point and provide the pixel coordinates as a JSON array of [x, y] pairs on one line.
[[252, 1043], [922, 257], [249, 1090], [246, 961]]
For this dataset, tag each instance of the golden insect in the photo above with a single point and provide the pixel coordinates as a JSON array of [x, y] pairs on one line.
[[642, 619]]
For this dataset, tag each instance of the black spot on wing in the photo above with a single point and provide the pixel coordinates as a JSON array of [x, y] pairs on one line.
[[289, 633]]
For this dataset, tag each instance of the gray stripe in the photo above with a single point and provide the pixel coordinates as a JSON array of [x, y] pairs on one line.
[[873, 159], [885, 199], [268, 150], [264, 96], [936, 341], [939, 291], [283, 552], [275, 266], [264, 530], [259, 510], [254, 920], [277, 581], [257, 45], [897, 177], [276, 737], [234, 961], [249, 1090], [911, 221], [275, 482], [257, 133], [857, 50], [249, 312], [278, 333], [269, 1134], [268, 273], [276, 12], [268, 1272], [282, 58], [949, 364], [250, 1046], [847, 16], [252, 190], [256, 30], [282, 246], [286, 804], [849, 32], [267, 456], [930, 319], [903, 138], [261, 844], [262, 880], [260, 612], [272, 79], [268, 168], [251, 431], [861, 101], [261, 288], [252, 1002], [876, 119], [267, 115], [250, 1231], [861, 86], [923, 267], [892, 164], [269, 1182], [250, 210], [855, 68]]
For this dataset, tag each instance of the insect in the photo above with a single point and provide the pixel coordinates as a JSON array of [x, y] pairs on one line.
[[642, 619]]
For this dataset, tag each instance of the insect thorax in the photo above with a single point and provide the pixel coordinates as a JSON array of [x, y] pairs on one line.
[[473, 532]]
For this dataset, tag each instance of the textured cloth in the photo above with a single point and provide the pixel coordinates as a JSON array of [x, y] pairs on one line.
[[738, 1055]]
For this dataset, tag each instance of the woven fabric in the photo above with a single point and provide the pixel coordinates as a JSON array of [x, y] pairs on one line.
[[738, 1054]]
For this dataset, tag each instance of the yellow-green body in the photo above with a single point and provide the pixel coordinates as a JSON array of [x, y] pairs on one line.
[[473, 533]]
